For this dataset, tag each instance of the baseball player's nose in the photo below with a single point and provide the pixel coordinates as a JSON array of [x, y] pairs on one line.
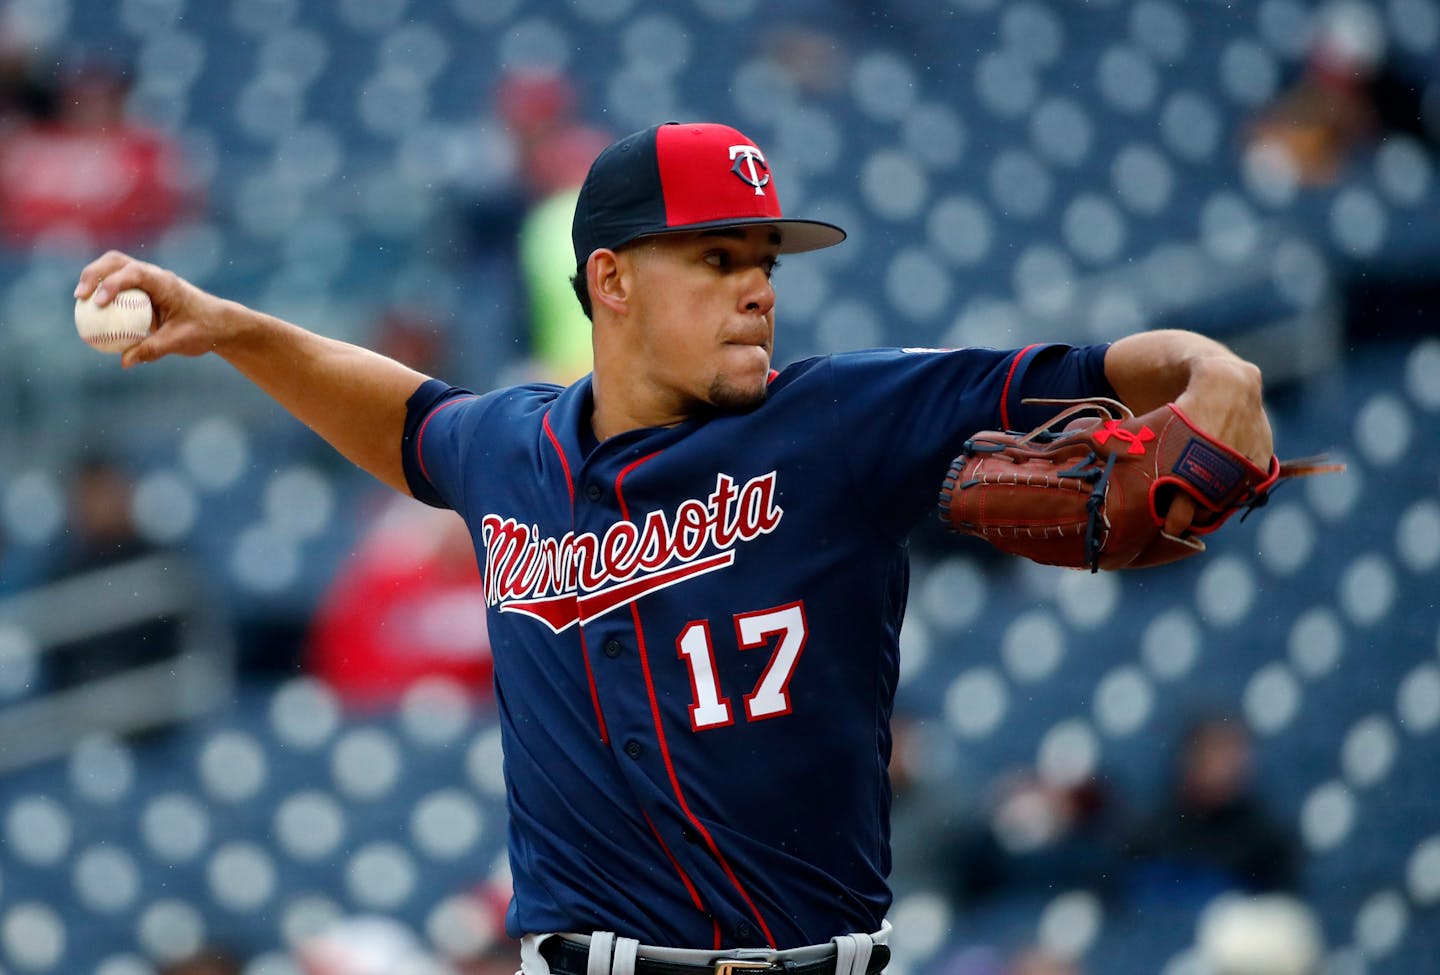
[[759, 294]]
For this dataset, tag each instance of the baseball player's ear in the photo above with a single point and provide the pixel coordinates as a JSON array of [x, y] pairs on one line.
[[609, 284]]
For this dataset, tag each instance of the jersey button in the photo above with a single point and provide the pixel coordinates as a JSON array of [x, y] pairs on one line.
[[742, 930], [633, 748], [613, 649], [593, 492]]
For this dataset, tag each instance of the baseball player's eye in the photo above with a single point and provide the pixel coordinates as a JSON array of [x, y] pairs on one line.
[[771, 267]]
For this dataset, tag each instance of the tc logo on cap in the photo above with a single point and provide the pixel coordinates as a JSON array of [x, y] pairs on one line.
[[669, 178], [746, 159]]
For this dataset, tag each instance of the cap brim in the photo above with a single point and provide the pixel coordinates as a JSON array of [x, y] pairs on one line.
[[796, 236]]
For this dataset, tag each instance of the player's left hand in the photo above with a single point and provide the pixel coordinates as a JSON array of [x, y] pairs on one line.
[[1224, 399]]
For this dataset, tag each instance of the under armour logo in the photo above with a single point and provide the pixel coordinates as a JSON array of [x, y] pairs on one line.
[[747, 165], [1136, 440]]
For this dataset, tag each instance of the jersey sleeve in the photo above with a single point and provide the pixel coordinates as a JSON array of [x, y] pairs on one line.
[[433, 444], [901, 416]]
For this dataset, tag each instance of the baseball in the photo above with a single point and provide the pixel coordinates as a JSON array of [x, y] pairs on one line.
[[116, 326]]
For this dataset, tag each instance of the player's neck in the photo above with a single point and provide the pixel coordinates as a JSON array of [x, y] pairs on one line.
[[622, 407]]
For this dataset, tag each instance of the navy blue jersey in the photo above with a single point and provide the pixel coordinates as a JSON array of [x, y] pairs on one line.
[[695, 631]]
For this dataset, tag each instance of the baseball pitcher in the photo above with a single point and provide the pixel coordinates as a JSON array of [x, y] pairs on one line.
[[695, 564]]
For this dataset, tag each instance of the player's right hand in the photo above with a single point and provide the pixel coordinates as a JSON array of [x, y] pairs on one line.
[[187, 321]]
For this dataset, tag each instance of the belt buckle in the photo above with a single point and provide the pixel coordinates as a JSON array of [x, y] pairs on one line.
[[729, 966]]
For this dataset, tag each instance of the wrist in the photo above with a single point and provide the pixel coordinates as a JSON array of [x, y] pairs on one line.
[[1225, 375], [239, 330]]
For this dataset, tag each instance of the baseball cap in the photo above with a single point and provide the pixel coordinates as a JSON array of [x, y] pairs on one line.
[[677, 177]]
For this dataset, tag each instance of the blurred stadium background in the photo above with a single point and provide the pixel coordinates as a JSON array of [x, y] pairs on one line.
[[1009, 170]]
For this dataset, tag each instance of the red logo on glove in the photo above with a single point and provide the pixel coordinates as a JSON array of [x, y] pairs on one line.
[[1136, 440]]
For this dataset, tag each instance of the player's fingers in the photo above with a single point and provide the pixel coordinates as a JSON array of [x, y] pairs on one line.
[[132, 274], [147, 350], [97, 270], [1180, 516], [165, 338]]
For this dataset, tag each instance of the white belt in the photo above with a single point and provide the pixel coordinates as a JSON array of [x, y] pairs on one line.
[[613, 955]]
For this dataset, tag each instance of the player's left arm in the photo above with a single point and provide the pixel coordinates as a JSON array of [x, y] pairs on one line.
[[1220, 392]]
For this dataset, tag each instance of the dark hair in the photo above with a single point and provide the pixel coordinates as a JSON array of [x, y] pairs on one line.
[[581, 285]]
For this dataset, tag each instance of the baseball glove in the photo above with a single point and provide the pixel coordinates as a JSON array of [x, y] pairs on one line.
[[1090, 488]]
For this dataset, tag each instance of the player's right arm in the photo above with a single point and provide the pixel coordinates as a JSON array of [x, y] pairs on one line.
[[352, 397]]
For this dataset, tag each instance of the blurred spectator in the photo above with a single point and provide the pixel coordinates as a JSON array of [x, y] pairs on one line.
[[969, 960], [406, 606], [1348, 96], [1040, 836], [1353, 92], [559, 330], [366, 945], [414, 337], [1212, 833], [484, 219], [13, 570], [1270, 935], [1040, 961], [483, 948], [528, 154], [1025, 960], [213, 960], [814, 59], [928, 811], [554, 147], [27, 92], [555, 152], [78, 172], [100, 532], [408, 603]]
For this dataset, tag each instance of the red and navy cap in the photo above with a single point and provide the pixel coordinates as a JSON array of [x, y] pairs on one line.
[[677, 177]]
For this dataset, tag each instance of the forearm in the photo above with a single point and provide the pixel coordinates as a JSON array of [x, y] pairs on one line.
[[352, 397]]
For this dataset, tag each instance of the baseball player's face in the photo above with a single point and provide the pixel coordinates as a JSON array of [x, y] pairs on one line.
[[706, 313]]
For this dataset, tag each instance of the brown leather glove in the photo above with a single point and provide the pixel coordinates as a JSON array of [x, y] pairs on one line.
[[1094, 493]]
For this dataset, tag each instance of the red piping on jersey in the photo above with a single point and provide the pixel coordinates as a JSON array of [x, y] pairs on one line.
[[420, 434], [665, 747], [620, 478], [559, 452], [584, 650], [1005, 393], [684, 879]]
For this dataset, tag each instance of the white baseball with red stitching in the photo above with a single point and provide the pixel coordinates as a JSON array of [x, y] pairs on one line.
[[116, 326]]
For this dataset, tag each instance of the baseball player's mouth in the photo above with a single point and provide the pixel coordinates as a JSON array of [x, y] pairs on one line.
[[749, 337], [754, 353]]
